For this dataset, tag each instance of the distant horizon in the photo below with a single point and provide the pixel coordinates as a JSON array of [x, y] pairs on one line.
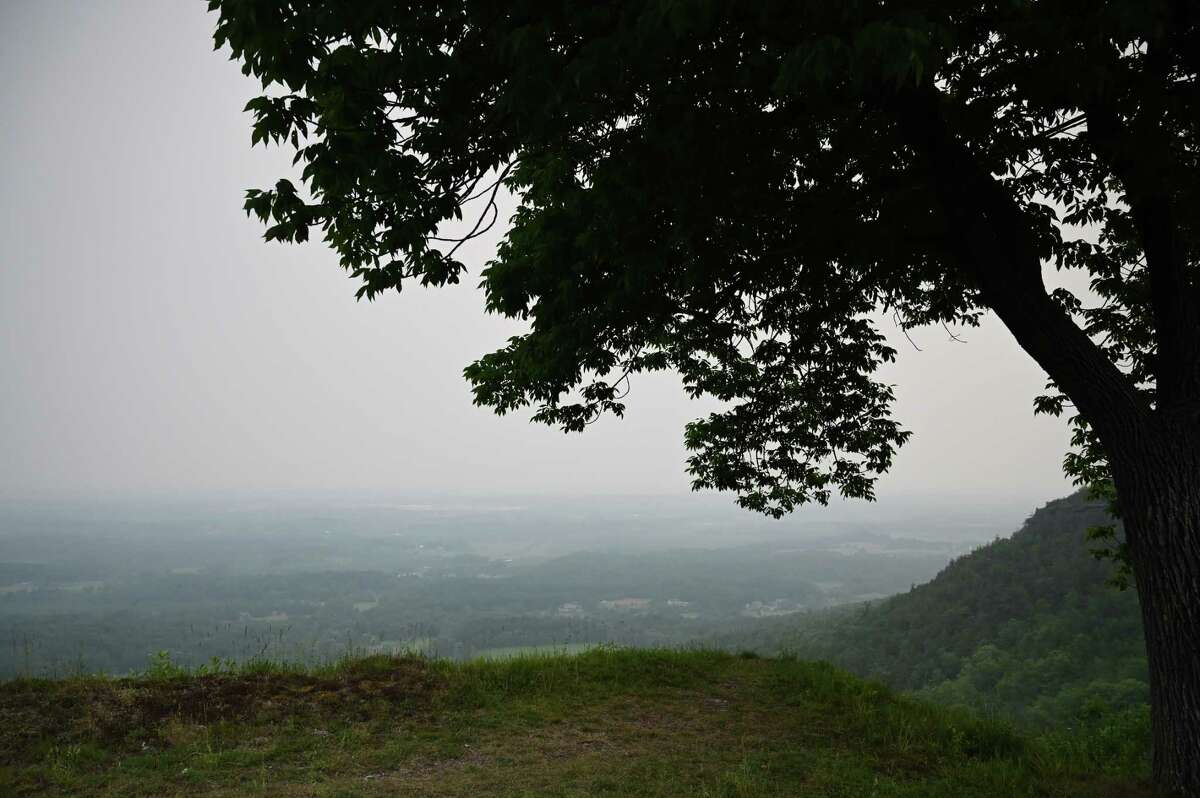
[[446, 497], [705, 518]]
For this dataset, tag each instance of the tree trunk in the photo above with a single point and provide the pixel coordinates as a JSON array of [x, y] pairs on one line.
[[1154, 453], [1159, 496]]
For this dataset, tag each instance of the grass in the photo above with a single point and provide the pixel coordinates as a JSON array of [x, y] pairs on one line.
[[606, 722]]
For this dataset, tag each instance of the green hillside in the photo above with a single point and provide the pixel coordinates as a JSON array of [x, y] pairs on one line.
[[1027, 626], [608, 722]]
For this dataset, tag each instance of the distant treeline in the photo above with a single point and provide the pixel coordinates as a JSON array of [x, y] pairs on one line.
[[68, 616]]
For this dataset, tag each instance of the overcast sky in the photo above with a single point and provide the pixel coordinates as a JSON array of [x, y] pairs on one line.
[[152, 345]]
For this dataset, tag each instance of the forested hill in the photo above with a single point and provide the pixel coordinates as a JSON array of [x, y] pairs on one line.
[[1027, 625]]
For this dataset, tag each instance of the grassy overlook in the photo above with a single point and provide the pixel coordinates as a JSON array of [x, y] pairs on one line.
[[606, 722]]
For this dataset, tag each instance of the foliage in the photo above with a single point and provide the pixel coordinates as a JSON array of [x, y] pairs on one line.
[[732, 190]]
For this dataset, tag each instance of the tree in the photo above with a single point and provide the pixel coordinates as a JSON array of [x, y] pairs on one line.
[[736, 190]]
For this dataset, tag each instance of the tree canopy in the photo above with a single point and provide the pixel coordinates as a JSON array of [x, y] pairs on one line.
[[732, 190], [726, 191], [736, 191]]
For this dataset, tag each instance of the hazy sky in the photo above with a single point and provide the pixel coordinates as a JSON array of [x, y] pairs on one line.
[[152, 345]]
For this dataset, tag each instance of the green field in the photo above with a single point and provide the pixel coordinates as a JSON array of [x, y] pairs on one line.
[[607, 722]]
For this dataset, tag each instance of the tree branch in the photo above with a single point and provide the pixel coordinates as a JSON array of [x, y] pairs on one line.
[[1140, 154], [996, 250]]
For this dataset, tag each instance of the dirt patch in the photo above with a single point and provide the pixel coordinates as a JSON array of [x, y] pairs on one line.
[[519, 753], [430, 769]]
